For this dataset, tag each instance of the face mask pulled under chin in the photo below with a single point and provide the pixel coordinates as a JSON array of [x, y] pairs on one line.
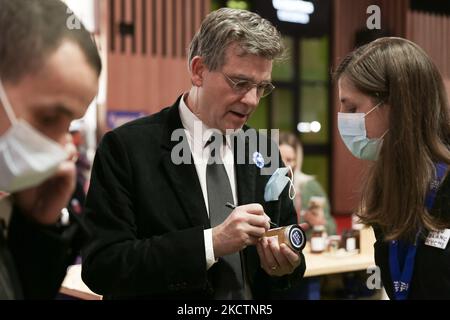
[[27, 157]]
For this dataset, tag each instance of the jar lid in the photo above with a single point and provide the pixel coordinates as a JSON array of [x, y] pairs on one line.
[[319, 228], [297, 237], [334, 237]]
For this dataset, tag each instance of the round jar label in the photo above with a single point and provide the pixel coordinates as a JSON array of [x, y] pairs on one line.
[[297, 238]]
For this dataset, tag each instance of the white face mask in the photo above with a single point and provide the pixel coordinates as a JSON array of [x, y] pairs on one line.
[[27, 157], [277, 183], [352, 127]]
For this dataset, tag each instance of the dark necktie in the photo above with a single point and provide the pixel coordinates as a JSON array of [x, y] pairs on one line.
[[227, 273]]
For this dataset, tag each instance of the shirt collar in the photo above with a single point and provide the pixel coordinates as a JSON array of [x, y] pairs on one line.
[[191, 122]]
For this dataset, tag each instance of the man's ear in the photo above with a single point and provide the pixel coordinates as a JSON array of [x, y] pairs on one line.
[[197, 70]]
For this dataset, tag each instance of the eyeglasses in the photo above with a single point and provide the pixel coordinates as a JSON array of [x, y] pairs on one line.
[[241, 87]]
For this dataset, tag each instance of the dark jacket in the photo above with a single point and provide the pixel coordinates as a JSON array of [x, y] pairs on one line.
[[149, 216], [431, 277], [34, 258]]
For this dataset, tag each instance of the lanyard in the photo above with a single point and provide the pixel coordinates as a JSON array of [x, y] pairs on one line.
[[402, 278]]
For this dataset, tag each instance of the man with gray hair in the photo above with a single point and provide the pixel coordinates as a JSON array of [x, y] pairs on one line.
[[162, 227]]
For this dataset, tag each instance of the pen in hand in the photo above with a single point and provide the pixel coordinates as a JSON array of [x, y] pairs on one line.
[[232, 206]]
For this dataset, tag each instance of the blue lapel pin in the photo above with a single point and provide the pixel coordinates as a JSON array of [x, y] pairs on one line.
[[258, 159]]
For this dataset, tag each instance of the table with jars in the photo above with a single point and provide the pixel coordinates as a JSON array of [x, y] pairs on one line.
[[352, 251]]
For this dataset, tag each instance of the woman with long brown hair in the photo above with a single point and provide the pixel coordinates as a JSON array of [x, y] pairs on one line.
[[394, 111]]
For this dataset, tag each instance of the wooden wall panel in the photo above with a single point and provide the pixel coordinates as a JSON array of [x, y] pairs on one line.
[[128, 58], [139, 80], [187, 13], [115, 60], [152, 65], [179, 28], [432, 33], [146, 68], [393, 15]]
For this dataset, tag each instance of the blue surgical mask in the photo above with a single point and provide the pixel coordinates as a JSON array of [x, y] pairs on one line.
[[352, 127], [277, 183]]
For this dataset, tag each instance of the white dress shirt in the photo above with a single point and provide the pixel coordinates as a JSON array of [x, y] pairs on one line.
[[198, 134]]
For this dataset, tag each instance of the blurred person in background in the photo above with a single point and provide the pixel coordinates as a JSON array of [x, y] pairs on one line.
[[77, 135], [311, 201], [48, 77]]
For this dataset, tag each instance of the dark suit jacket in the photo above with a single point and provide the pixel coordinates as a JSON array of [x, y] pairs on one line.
[[34, 258], [149, 215]]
